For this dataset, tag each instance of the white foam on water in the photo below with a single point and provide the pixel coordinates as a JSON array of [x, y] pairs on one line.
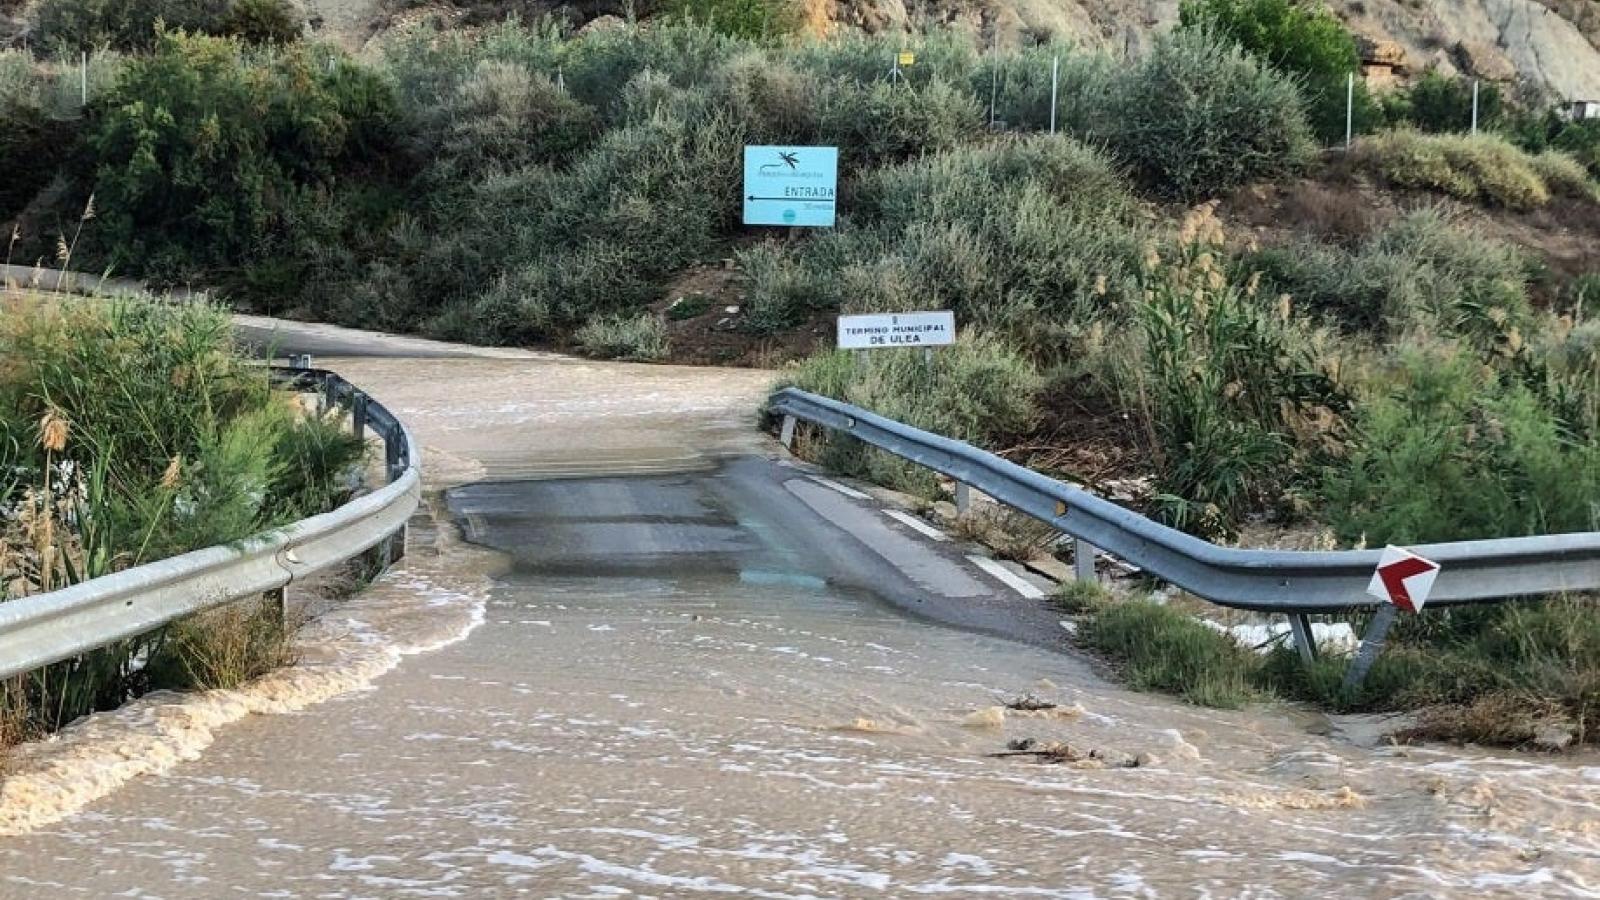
[[402, 613]]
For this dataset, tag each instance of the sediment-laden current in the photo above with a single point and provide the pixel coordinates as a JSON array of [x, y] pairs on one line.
[[696, 699]]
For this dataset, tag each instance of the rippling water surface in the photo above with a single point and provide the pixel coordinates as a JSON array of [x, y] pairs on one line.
[[630, 733]]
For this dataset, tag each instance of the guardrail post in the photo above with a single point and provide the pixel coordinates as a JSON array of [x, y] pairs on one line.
[[1371, 645], [391, 452], [1083, 555], [358, 415], [786, 434], [328, 397], [1304, 639], [397, 545], [280, 603], [300, 361], [963, 498]]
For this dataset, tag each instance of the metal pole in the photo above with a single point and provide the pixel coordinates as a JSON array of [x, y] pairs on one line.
[[963, 497], [83, 77], [1350, 111], [786, 434], [1055, 82], [1371, 646], [994, 76], [1083, 554], [1474, 106]]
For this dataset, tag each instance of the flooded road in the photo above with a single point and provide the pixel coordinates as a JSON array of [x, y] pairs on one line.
[[689, 669]]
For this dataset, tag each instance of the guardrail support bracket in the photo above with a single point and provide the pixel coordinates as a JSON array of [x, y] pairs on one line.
[[1304, 638], [1083, 555], [1371, 645]]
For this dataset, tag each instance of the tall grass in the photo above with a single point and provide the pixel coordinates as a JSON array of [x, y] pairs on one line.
[[131, 430]]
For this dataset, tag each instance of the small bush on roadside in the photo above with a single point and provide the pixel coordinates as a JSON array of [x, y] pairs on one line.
[[1565, 176], [224, 647], [1235, 394], [263, 21], [1447, 449], [1483, 168], [754, 19], [1424, 271], [642, 338], [977, 390], [1493, 675], [1582, 141], [505, 115], [1155, 648], [1197, 117], [880, 122], [131, 430]]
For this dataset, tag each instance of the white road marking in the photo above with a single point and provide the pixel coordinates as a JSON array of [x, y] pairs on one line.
[[915, 524], [850, 492], [1012, 580]]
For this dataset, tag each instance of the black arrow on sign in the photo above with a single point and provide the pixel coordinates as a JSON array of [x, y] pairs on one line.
[[791, 199]]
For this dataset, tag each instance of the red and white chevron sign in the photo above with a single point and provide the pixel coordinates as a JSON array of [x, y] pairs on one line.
[[1403, 578]]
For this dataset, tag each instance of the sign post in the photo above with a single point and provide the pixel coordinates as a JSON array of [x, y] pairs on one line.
[[1402, 581], [794, 186]]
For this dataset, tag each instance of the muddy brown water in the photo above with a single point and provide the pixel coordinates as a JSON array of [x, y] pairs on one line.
[[719, 706]]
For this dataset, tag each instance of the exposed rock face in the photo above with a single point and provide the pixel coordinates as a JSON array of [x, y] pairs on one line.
[[1553, 44], [1484, 61]]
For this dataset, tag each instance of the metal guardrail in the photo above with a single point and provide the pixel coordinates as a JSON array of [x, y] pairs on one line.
[[45, 628], [1291, 582]]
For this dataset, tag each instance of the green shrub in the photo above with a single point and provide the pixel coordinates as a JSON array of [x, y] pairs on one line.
[[1423, 272], [1483, 168], [196, 114], [771, 100], [882, 122], [1448, 449], [737, 18], [263, 21], [1441, 105], [1155, 648], [1303, 39], [1197, 117], [504, 115], [689, 306], [1032, 238], [977, 390], [1582, 140], [642, 338], [1444, 277], [126, 25], [1565, 176], [1490, 675], [134, 429], [1234, 393]]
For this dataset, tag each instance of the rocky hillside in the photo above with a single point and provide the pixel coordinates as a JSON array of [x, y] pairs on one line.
[[1552, 44]]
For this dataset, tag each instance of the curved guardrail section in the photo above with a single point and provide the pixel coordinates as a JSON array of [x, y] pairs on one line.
[[1277, 581], [45, 628]]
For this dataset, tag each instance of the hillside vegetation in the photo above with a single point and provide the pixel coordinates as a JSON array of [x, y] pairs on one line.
[[1414, 381]]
